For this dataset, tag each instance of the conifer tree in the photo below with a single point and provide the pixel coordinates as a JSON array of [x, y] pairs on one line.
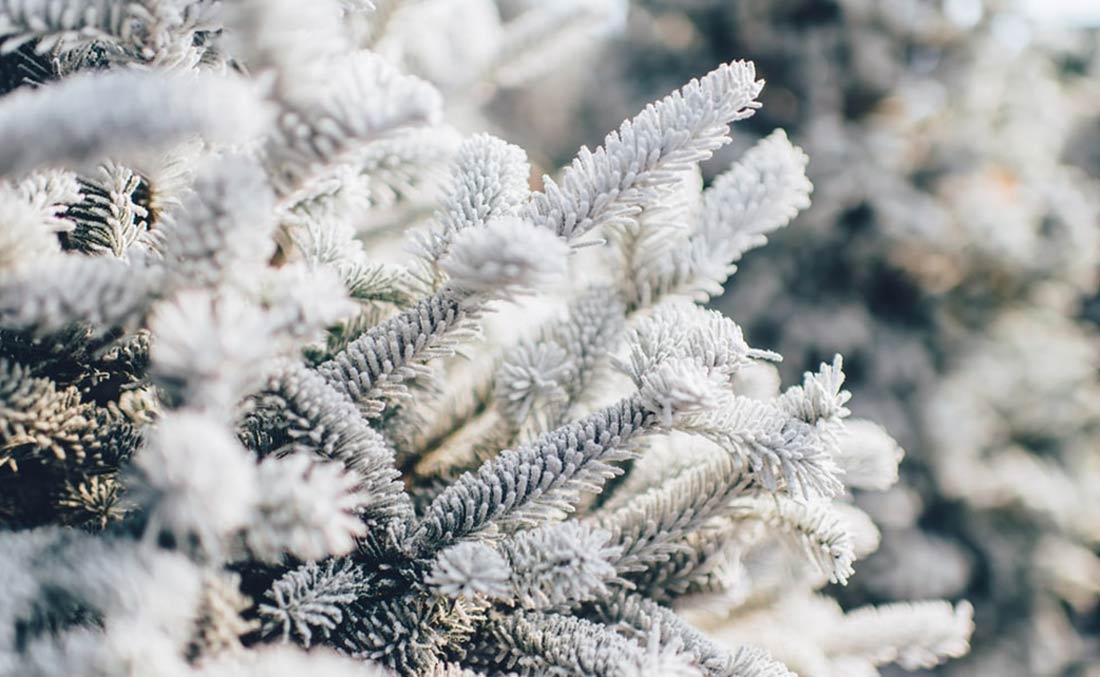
[[242, 436]]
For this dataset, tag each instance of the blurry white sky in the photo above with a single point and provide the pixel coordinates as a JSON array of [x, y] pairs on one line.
[[1072, 12]]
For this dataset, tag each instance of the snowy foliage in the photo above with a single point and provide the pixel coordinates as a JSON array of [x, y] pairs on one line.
[[951, 254], [241, 436]]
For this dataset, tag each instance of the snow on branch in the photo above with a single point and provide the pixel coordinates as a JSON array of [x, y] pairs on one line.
[[822, 533], [362, 98], [70, 23], [506, 258], [639, 162], [913, 635], [659, 522], [127, 114], [106, 294], [761, 193], [489, 180]]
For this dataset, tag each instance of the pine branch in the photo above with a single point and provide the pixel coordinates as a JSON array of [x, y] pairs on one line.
[[639, 163], [820, 531], [362, 99], [538, 643], [557, 565], [311, 600], [536, 481], [298, 404], [502, 260], [916, 635], [104, 294], [652, 526], [489, 181], [126, 114]]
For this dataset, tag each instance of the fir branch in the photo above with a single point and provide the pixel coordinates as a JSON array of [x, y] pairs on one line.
[[297, 403], [219, 625], [489, 180], [641, 618], [195, 360], [682, 331], [560, 564], [311, 599], [126, 114], [372, 366], [820, 531], [538, 480], [225, 224], [53, 192], [868, 455], [780, 452], [914, 635], [285, 40], [658, 523], [533, 42], [408, 166], [24, 238], [410, 633], [306, 508], [38, 418], [196, 484], [94, 502], [529, 379], [708, 561], [761, 193], [547, 375], [819, 399], [501, 260], [34, 213], [110, 219], [363, 98], [539, 643], [376, 283], [639, 163], [470, 570], [505, 258], [284, 661], [70, 23], [63, 291]]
